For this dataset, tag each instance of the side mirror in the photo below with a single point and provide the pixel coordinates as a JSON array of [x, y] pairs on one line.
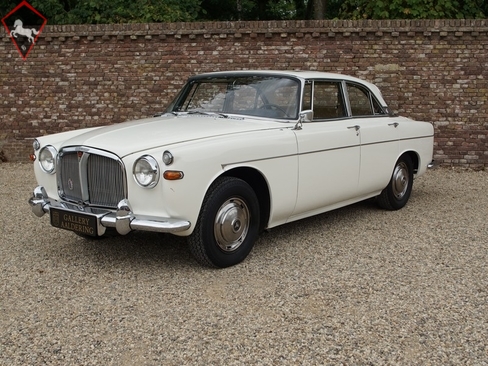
[[306, 116]]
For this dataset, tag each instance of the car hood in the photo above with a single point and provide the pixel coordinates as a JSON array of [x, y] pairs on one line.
[[136, 136]]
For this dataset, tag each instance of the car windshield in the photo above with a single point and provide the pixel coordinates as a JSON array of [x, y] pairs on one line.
[[260, 96]]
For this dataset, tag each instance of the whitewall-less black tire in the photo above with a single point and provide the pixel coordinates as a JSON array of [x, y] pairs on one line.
[[227, 225], [397, 192]]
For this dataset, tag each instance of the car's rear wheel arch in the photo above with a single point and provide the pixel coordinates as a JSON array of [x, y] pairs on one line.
[[415, 160], [397, 193], [258, 183]]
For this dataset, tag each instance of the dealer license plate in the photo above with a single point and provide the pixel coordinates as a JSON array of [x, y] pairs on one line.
[[81, 223]]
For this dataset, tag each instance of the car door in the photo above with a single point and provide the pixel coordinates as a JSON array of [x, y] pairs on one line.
[[328, 150], [378, 135]]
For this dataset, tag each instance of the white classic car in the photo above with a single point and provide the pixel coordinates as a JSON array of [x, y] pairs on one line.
[[235, 153]]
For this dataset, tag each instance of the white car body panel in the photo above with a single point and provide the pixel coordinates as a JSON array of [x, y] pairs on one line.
[[273, 153], [379, 152], [329, 157], [308, 167], [135, 136]]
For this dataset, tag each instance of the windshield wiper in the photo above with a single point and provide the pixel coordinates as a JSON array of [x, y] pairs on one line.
[[163, 113], [209, 113]]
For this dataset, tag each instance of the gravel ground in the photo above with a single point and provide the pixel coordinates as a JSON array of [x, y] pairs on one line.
[[355, 286]]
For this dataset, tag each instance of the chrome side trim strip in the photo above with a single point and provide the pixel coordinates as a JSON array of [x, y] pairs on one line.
[[325, 150]]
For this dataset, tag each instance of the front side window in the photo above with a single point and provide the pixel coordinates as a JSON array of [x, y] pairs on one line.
[[328, 102], [307, 96], [261, 96]]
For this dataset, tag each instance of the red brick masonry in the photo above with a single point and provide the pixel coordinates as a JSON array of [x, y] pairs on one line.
[[90, 75]]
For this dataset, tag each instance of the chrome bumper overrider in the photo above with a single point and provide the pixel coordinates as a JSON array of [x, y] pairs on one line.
[[122, 219]]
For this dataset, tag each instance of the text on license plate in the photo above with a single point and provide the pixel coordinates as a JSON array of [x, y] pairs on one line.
[[79, 222]]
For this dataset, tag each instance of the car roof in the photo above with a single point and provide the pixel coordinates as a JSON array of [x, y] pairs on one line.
[[300, 74]]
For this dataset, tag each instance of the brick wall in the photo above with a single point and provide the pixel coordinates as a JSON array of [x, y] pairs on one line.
[[81, 76]]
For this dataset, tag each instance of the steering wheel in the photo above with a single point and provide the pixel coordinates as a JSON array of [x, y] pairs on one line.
[[274, 107]]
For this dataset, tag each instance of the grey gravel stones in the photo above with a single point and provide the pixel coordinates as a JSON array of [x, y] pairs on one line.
[[354, 286]]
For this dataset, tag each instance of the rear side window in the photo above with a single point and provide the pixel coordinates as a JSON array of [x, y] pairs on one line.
[[363, 102]]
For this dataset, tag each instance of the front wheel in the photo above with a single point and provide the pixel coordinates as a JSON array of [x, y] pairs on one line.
[[227, 225], [398, 190]]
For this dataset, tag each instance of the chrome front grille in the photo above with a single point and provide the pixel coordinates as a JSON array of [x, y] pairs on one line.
[[105, 181], [92, 177], [68, 168]]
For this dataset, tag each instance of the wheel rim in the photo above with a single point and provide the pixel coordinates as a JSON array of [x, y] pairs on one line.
[[231, 224], [401, 180]]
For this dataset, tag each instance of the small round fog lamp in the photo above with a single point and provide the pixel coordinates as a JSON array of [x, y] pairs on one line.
[[36, 145], [167, 158]]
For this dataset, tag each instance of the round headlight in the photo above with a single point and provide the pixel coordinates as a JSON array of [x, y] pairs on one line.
[[47, 159], [146, 171]]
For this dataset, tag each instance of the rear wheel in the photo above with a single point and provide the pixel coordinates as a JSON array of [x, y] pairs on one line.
[[227, 225], [398, 190]]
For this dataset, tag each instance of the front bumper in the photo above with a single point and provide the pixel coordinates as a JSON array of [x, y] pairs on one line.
[[122, 219]]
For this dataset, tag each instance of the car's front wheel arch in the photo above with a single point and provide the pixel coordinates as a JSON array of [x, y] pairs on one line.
[[259, 185]]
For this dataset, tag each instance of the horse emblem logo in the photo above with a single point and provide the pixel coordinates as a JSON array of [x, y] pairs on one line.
[[24, 25], [19, 29]]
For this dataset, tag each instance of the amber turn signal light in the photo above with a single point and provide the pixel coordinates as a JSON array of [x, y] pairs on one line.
[[32, 157], [172, 175]]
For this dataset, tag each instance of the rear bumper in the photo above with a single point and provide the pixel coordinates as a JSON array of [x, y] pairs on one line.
[[122, 219]]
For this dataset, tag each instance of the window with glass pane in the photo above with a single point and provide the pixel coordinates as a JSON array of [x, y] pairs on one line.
[[271, 97], [207, 97], [377, 108], [360, 101], [307, 96], [328, 102]]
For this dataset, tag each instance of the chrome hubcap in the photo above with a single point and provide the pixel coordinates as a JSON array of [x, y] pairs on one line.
[[231, 224], [400, 180]]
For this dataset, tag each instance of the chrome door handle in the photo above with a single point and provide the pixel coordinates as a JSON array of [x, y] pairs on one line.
[[356, 127]]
